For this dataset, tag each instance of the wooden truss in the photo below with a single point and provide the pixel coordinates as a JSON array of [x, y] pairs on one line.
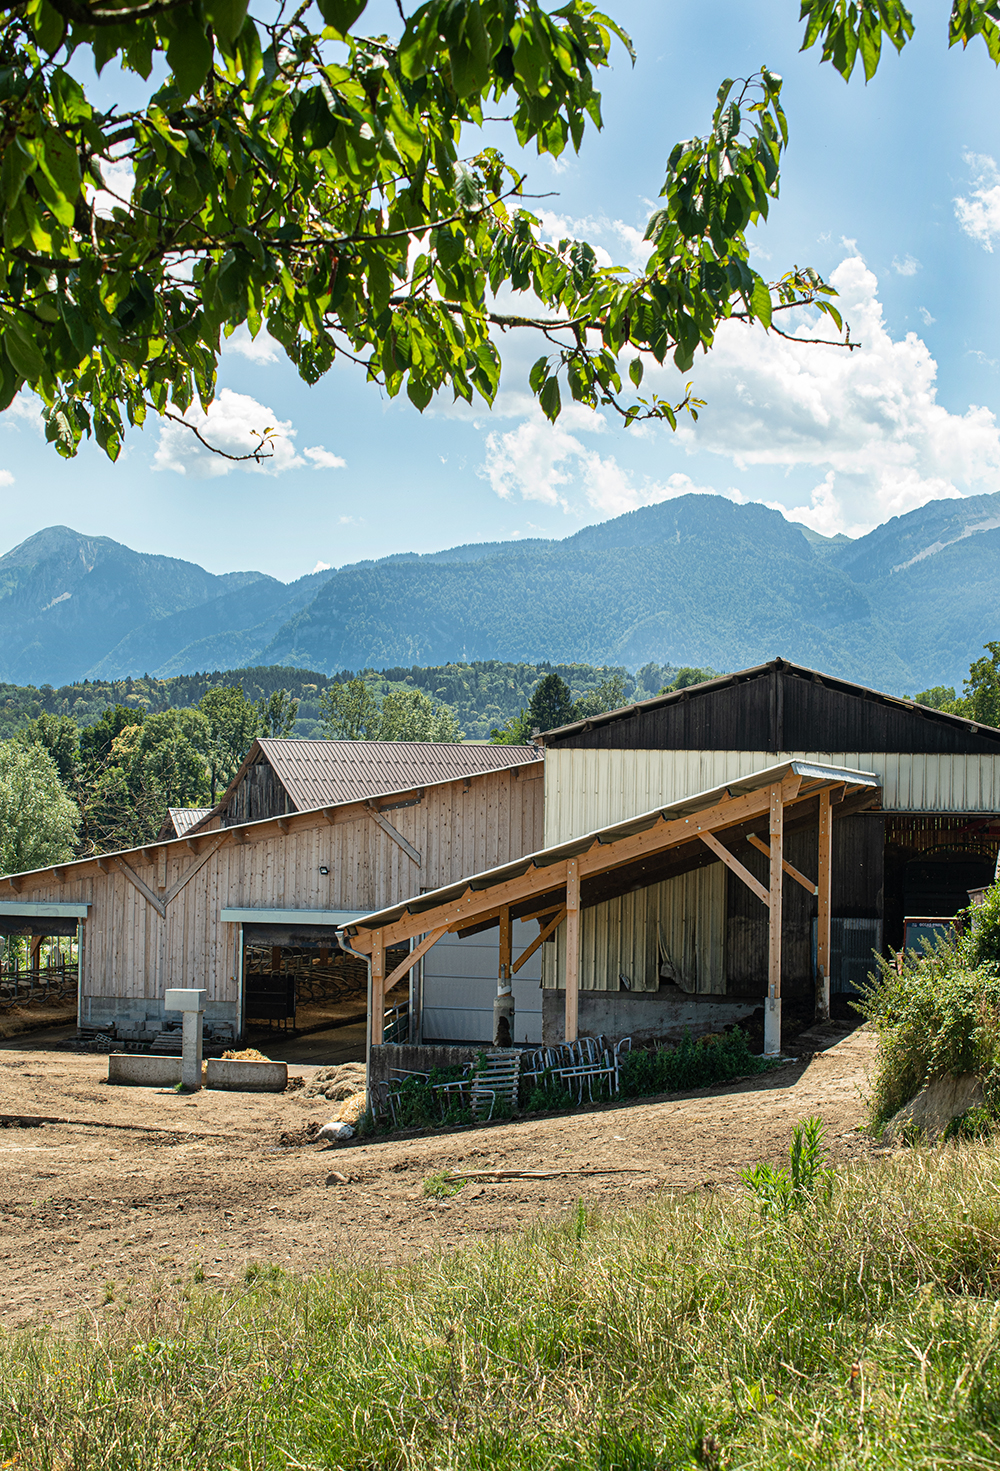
[[550, 887]]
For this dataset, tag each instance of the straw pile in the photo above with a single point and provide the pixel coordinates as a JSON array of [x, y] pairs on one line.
[[249, 1054]]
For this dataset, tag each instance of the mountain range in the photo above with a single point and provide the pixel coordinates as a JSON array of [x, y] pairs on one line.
[[696, 580]]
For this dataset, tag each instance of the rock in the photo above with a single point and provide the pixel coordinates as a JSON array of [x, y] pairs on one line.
[[335, 1131], [928, 1114]]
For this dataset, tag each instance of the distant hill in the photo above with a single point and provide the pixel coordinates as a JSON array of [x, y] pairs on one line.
[[697, 580]]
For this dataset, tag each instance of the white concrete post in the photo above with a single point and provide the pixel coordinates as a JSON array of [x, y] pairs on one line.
[[191, 1005]]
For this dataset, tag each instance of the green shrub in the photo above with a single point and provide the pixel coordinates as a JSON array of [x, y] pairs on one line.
[[693, 1063], [933, 1014]]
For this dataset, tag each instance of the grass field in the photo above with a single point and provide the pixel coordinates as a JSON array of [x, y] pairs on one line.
[[702, 1331]]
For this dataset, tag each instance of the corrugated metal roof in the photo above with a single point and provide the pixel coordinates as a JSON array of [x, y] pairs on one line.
[[814, 776], [317, 773], [184, 818], [692, 691]]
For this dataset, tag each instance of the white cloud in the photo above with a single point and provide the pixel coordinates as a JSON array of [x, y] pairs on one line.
[[6, 478], [119, 176], [259, 349], [540, 461], [233, 423], [979, 215], [323, 459], [866, 424], [927, 318], [908, 266], [870, 416], [25, 408], [322, 566], [351, 520]]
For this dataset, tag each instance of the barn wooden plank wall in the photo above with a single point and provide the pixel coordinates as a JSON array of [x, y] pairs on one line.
[[133, 953], [589, 789]]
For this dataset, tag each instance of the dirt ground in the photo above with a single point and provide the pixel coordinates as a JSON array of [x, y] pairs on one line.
[[145, 1188]]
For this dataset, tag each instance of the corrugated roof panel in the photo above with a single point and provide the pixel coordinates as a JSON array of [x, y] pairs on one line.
[[319, 773], [184, 818]]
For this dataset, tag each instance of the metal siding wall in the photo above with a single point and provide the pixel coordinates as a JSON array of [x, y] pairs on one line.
[[460, 983], [585, 790], [684, 916]]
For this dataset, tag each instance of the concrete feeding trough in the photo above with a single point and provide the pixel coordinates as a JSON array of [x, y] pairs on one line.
[[237, 1075], [143, 1070]]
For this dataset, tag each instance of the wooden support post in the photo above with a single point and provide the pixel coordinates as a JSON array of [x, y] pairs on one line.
[[36, 947], [378, 988], [161, 869], [772, 1011], [503, 1005], [823, 890], [572, 949], [275, 958]]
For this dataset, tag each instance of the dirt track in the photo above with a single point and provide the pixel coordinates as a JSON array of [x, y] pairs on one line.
[[90, 1213]]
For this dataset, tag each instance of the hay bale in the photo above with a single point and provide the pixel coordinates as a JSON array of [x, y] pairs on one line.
[[337, 1083], [353, 1109]]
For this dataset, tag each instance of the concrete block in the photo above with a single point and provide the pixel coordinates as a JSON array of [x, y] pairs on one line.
[[144, 1070], [246, 1077], [177, 999], [645, 1016]]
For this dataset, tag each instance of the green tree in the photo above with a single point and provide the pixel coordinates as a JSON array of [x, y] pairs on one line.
[[60, 736], [234, 723], [941, 697], [277, 715], [550, 705], [301, 175], [96, 740], [151, 766], [38, 822], [980, 698], [688, 676], [609, 695], [350, 711], [515, 731]]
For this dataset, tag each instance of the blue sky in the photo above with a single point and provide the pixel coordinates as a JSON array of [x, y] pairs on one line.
[[893, 189]]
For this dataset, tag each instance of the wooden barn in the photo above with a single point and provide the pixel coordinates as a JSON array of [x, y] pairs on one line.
[[748, 914], [932, 836], [250, 911]]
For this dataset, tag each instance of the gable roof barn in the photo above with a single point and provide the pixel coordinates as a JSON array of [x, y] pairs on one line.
[[180, 820], [280, 776], [775, 707]]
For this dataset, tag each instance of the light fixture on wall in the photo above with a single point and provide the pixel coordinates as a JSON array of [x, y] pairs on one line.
[[324, 870]]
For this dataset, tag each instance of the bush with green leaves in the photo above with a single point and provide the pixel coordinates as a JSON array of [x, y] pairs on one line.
[[933, 1014], [693, 1063]]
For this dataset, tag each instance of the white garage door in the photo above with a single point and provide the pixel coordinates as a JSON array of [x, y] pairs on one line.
[[460, 983]]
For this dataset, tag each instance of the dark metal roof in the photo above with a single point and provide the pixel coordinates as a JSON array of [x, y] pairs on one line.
[[318, 773], [758, 671], [814, 777]]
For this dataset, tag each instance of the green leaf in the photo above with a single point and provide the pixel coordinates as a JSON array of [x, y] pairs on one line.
[[24, 355], [419, 393], [62, 167], [341, 14], [189, 51], [227, 17], [760, 301], [549, 399], [50, 27], [69, 98], [635, 371], [538, 374]]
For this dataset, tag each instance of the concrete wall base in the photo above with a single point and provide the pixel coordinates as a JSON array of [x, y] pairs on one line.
[[645, 1016], [238, 1076], [414, 1058], [143, 1070]]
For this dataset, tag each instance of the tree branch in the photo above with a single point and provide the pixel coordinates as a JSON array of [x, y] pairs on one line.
[[266, 438]]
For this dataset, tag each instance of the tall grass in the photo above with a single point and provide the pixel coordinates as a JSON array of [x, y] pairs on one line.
[[862, 1330]]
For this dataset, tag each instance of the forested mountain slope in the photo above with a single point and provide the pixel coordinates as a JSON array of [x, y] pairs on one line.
[[696, 580]]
